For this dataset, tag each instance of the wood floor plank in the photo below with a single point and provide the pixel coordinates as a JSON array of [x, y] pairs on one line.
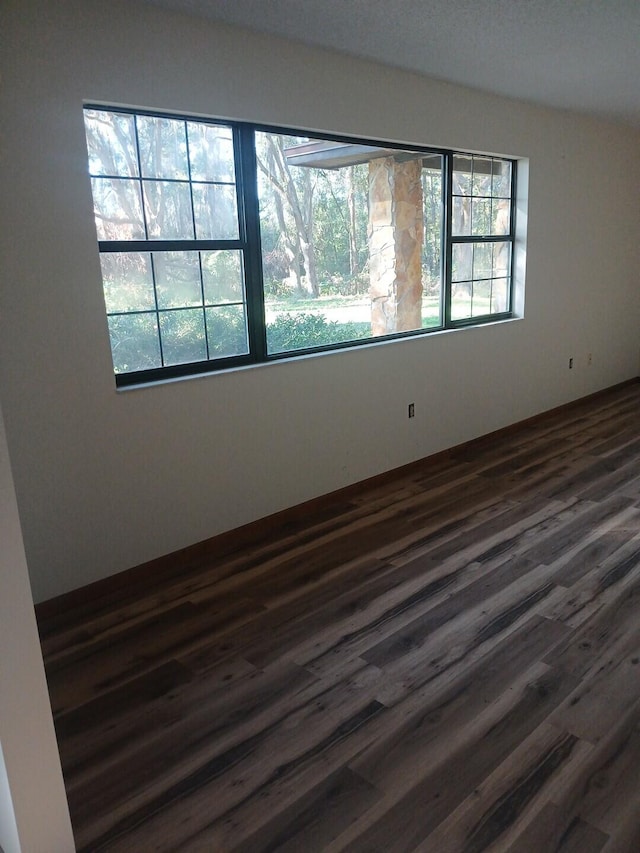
[[607, 786], [551, 833], [595, 705], [206, 799], [509, 797], [194, 725], [428, 718], [608, 581], [112, 661], [437, 785], [314, 821], [445, 661], [611, 800], [595, 547]]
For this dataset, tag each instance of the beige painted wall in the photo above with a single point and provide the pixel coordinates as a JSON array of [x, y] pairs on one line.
[[106, 480], [34, 817]]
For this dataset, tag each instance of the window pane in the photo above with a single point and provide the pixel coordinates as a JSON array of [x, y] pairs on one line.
[[481, 216], [501, 259], [168, 210], [486, 265], [461, 300], [183, 337], [481, 302], [222, 277], [462, 169], [111, 143], [127, 281], [118, 209], [211, 152], [481, 184], [461, 218], [501, 178], [501, 214], [177, 279], [352, 249], [215, 211], [482, 260], [134, 342], [500, 295], [351, 234], [227, 331], [462, 262], [163, 147], [306, 329], [432, 237]]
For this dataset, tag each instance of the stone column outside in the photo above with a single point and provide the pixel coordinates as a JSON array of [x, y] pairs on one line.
[[396, 235]]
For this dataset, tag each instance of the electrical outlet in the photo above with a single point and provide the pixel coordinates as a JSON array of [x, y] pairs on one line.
[[570, 364], [412, 410]]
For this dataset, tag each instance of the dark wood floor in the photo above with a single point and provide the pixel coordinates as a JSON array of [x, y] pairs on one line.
[[450, 662]]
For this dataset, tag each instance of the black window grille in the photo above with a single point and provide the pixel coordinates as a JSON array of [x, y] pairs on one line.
[[224, 243]]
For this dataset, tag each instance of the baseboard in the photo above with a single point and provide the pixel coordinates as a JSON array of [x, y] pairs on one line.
[[97, 595]]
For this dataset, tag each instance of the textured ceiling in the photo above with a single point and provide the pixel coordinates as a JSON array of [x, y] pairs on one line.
[[575, 54]]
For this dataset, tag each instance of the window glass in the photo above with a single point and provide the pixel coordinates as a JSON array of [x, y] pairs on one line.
[[183, 336], [216, 213], [211, 153], [313, 243], [227, 330], [481, 208], [222, 277], [501, 187], [128, 281], [111, 143], [163, 148], [178, 281], [117, 205], [168, 210], [143, 170], [351, 240], [134, 342]]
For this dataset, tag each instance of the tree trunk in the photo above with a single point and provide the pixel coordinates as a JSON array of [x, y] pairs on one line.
[[354, 263], [301, 210], [306, 234]]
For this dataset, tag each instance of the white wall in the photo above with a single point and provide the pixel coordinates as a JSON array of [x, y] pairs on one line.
[[34, 817], [107, 480]]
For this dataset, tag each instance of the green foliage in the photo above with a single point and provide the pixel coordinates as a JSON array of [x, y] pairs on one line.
[[334, 208], [301, 331], [134, 342], [334, 228], [226, 331], [432, 249]]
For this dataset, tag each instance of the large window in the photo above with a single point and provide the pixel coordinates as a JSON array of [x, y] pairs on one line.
[[224, 244]]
